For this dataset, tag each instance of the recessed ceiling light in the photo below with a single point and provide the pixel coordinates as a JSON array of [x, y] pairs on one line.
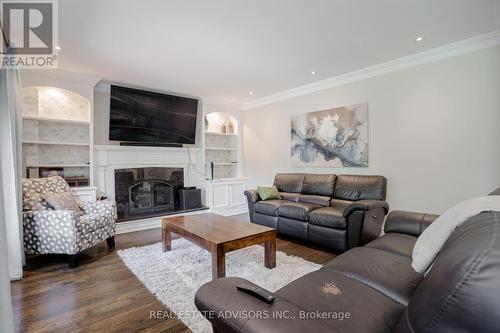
[[250, 92], [58, 48], [313, 72], [419, 39]]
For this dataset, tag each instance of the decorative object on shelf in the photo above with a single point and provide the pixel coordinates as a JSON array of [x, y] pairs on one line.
[[334, 137], [50, 172], [207, 123], [77, 181], [209, 170], [230, 127], [223, 129]]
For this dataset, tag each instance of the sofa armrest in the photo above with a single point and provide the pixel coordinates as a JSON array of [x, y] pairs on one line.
[[252, 198], [230, 310], [252, 195], [409, 223], [366, 205], [100, 207]]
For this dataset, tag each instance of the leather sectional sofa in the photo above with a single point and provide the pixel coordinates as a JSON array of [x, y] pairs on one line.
[[377, 287], [338, 212]]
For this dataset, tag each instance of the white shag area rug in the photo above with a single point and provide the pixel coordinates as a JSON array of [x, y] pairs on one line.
[[175, 276]]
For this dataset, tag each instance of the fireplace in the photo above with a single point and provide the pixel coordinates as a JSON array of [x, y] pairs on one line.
[[147, 192]]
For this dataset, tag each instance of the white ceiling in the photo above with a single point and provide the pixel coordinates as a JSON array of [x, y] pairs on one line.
[[222, 49]]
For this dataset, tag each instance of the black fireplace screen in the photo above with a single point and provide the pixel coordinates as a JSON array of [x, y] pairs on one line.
[[151, 195], [145, 192]]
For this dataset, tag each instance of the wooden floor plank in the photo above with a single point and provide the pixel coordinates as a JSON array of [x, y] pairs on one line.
[[101, 294]]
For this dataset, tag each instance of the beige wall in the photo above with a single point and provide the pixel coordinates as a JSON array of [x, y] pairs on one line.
[[434, 131]]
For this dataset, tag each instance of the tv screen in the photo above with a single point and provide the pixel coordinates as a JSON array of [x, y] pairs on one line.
[[150, 117]]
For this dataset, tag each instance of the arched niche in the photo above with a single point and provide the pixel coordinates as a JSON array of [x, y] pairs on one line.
[[221, 122], [54, 103]]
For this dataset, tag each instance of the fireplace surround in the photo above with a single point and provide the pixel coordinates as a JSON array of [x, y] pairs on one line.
[[108, 158]]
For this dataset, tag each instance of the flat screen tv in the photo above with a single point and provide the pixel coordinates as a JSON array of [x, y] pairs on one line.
[[140, 116]]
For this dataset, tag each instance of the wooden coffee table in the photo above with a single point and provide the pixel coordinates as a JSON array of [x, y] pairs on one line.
[[219, 235]]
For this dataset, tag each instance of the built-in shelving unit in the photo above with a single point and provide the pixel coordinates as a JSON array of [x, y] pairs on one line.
[[221, 144], [56, 134]]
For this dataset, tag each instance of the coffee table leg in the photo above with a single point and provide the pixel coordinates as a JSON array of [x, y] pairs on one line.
[[218, 263], [270, 253], [166, 238]]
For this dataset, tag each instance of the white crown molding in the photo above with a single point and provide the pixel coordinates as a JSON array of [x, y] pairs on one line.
[[63, 75], [447, 51]]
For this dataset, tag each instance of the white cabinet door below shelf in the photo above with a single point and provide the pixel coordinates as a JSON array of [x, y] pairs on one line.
[[220, 196], [237, 196], [227, 197]]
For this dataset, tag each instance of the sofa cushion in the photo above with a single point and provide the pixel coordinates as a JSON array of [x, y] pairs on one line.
[[266, 220], [327, 291], [319, 184], [221, 295], [290, 196], [353, 187], [292, 227], [396, 243], [63, 201], [289, 182], [331, 217], [340, 203], [269, 207], [296, 210], [314, 199], [387, 272]]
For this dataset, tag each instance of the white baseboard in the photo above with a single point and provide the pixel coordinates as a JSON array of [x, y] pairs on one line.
[[149, 223], [231, 211], [155, 222]]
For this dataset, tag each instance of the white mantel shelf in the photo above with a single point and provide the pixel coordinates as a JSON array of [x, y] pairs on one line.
[[108, 158], [150, 156], [113, 147]]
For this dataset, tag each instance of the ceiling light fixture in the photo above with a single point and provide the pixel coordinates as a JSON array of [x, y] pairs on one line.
[[58, 48], [313, 72], [419, 39], [250, 92]]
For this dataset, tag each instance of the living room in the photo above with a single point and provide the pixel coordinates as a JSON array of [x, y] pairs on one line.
[[250, 166]]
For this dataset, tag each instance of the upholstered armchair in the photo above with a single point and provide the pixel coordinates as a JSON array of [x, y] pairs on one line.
[[63, 231]]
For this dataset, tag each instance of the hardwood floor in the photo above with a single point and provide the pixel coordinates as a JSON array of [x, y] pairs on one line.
[[101, 294]]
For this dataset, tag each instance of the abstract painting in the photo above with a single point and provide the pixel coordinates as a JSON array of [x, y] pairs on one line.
[[331, 138]]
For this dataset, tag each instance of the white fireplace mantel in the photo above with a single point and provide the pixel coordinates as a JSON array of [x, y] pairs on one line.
[[108, 158]]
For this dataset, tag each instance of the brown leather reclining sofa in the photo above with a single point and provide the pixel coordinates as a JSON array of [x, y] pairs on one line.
[[377, 287], [339, 212]]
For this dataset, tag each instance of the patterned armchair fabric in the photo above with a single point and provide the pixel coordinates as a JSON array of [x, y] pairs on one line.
[[62, 231]]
